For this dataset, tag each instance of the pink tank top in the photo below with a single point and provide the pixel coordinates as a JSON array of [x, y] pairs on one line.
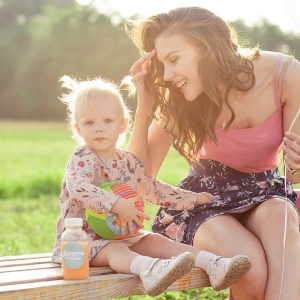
[[250, 150]]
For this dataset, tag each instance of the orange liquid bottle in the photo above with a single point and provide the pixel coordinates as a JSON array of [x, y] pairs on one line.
[[74, 250]]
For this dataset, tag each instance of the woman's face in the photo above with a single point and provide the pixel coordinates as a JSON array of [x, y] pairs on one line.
[[180, 60]]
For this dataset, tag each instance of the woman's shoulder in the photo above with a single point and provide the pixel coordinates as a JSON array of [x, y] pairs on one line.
[[265, 64], [268, 59]]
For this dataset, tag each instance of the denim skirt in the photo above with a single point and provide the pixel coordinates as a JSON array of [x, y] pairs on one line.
[[234, 191]]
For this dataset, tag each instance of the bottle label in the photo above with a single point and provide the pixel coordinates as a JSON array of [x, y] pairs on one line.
[[73, 255]]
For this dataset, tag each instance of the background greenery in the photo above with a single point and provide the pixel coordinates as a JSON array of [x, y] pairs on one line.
[[41, 40]]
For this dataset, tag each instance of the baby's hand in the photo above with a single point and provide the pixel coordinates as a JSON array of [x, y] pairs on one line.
[[204, 198], [127, 212]]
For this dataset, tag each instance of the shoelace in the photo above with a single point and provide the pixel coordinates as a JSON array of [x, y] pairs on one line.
[[157, 260]]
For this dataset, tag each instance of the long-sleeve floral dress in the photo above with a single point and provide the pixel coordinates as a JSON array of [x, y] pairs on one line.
[[86, 171]]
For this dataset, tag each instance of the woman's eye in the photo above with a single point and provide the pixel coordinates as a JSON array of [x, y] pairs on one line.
[[173, 60]]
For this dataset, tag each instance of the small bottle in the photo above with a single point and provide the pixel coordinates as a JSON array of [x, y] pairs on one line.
[[74, 250]]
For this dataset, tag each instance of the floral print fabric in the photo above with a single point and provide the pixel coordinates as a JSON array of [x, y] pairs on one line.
[[235, 191]]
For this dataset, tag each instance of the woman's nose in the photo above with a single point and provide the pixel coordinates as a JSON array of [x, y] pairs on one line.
[[168, 74]]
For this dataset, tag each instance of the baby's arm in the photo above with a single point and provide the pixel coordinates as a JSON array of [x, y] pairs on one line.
[[166, 195]]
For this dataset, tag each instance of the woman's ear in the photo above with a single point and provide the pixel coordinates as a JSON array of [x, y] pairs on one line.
[[124, 125], [77, 129]]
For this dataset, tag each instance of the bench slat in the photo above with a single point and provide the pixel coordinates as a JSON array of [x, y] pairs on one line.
[[35, 275], [27, 277], [98, 287], [22, 262], [25, 257]]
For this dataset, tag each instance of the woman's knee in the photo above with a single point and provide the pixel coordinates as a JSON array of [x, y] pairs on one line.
[[253, 284], [276, 209], [269, 217]]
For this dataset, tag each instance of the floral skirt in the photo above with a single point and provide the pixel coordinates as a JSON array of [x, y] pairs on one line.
[[236, 192]]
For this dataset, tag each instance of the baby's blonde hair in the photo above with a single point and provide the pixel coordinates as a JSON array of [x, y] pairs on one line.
[[91, 91]]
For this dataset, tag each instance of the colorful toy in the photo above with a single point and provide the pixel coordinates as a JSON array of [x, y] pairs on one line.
[[108, 226]]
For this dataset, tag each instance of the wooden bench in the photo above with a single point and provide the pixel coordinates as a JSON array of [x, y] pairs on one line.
[[35, 277], [27, 277]]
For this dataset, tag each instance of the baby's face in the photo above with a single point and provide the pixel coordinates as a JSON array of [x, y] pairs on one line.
[[100, 123]]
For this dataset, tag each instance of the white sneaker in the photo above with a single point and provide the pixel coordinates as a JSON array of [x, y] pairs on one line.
[[161, 273], [223, 272]]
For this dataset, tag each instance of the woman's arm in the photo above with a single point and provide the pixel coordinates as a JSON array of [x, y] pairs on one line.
[[291, 101], [159, 143], [150, 145]]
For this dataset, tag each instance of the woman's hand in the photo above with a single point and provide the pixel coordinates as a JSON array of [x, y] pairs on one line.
[[138, 71], [291, 147], [204, 198], [127, 212]]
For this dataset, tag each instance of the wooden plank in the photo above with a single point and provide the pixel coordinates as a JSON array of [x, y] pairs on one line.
[[22, 262], [106, 270], [96, 287], [28, 267], [26, 257], [37, 275]]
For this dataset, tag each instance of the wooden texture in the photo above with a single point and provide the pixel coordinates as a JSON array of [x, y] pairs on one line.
[[34, 277]]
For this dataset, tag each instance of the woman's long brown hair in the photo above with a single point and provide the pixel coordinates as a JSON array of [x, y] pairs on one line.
[[193, 122]]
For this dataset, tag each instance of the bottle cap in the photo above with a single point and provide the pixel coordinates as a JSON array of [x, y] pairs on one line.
[[73, 222]]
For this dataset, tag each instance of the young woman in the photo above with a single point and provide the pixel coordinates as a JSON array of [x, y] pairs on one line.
[[229, 111], [98, 117]]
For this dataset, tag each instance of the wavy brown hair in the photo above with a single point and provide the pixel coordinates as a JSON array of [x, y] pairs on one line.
[[193, 122]]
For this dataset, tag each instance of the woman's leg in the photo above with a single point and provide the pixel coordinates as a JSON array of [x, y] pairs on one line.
[[267, 222], [226, 236]]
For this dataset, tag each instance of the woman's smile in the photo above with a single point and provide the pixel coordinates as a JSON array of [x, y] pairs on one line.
[[180, 60]]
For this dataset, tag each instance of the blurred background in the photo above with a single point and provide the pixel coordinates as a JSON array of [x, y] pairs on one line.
[[41, 40]]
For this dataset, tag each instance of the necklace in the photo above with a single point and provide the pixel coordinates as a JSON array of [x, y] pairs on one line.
[[224, 124]]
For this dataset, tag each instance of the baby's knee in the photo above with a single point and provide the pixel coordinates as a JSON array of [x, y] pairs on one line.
[[157, 239]]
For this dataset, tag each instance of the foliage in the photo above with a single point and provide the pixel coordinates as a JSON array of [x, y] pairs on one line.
[[41, 40]]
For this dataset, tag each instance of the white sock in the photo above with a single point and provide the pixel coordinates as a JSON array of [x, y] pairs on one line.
[[203, 258], [139, 264]]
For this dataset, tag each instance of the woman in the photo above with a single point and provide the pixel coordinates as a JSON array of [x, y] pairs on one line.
[[226, 110]]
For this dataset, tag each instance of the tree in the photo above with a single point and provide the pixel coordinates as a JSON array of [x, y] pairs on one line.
[[42, 40]]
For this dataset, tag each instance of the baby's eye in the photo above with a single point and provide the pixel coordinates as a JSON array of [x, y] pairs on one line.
[[89, 123], [108, 120]]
